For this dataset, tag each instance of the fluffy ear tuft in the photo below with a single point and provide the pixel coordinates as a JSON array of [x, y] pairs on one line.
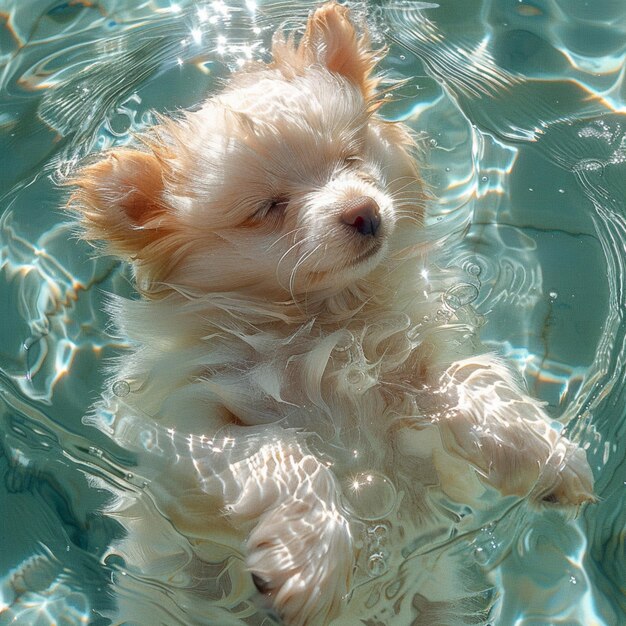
[[118, 200], [331, 40]]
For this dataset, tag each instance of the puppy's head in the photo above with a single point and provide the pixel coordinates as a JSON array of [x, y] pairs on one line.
[[286, 185]]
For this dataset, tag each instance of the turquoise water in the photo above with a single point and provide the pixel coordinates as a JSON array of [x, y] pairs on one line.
[[522, 109]]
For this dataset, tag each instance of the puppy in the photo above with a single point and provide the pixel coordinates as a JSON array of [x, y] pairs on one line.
[[290, 383]]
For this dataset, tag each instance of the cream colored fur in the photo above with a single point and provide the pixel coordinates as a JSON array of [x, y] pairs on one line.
[[279, 351]]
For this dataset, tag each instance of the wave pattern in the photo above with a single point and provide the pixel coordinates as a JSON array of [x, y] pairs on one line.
[[463, 67], [520, 111]]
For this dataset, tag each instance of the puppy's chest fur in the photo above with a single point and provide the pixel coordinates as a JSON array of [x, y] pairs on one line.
[[337, 380]]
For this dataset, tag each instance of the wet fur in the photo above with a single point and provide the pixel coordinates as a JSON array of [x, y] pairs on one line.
[[272, 341]]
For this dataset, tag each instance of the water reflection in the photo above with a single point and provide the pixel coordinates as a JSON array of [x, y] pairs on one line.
[[520, 109]]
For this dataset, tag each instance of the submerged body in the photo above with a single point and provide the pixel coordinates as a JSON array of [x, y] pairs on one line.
[[285, 353]]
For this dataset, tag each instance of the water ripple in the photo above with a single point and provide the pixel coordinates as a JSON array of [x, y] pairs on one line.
[[464, 68], [491, 86]]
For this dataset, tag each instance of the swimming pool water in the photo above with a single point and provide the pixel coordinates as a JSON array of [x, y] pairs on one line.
[[522, 110]]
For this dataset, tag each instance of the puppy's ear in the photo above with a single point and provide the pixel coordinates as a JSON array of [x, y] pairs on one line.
[[118, 200], [330, 40]]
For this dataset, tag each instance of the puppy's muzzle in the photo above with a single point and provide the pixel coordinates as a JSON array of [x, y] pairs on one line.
[[363, 214]]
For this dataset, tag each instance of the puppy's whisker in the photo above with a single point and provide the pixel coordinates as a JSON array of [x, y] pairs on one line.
[[309, 282], [408, 215], [305, 257], [409, 187], [287, 234], [397, 179], [289, 250], [404, 199]]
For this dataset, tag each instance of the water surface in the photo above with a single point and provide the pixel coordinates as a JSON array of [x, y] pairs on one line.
[[521, 108]]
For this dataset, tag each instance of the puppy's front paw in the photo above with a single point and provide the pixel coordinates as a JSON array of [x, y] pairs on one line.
[[508, 438], [566, 479], [301, 556]]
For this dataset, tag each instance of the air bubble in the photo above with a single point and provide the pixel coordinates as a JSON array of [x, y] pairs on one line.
[[486, 548], [345, 343], [355, 376], [443, 315], [121, 388], [473, 269], [590, 165], [369, 495], [553, 295], [376, 565], [378, 533], [460, 295], [481, 556]]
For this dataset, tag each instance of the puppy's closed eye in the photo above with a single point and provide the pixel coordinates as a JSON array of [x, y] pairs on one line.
[[354, 160], [273, 210], [270, 213]]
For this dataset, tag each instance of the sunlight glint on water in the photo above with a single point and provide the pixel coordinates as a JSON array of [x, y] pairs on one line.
[[520, 106]]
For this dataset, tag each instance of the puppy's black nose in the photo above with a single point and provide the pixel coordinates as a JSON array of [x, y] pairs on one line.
[[363, 213]]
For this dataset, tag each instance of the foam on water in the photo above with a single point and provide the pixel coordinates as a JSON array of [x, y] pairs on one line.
[[522, 113]]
